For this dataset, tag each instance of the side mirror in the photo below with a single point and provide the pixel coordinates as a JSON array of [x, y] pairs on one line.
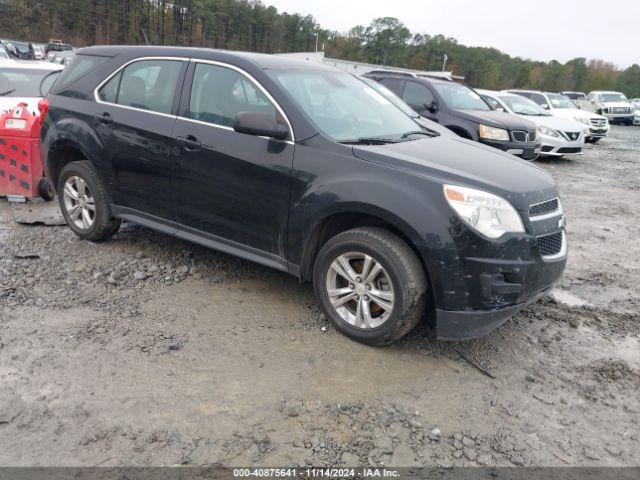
[[431, 107], [545, 106], [260, 124]]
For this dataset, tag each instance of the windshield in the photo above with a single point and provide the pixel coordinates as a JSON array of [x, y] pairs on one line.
[[460, 97], [343, 106], [524, 106], [3, 53], [392, 97], [560, 101], [21, 82], [612, 97]]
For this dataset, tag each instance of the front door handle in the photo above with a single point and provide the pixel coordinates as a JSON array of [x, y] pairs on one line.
[[189, 143], [104, 117]]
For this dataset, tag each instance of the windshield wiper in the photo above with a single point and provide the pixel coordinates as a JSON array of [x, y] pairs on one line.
[[369, 141], [7, 92], [427, 133]]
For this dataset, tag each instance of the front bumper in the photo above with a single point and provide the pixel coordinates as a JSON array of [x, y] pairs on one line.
[[525, 150], [618, 117], [559, 146], [492, 280], [469, 325], [596, 132]]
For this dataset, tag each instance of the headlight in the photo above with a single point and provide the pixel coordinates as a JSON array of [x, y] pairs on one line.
[[489, 214], [550, 132], [493, 133], [582, 120]]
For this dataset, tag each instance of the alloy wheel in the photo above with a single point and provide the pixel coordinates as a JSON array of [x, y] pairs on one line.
[[360, 290], [79, 202]]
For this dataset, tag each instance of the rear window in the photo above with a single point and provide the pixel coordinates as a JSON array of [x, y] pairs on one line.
[[21, 82], [78, 68]]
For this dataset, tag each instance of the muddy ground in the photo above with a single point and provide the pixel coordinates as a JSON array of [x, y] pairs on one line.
[[147, 350]]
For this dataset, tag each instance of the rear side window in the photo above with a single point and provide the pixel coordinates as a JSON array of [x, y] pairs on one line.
[[219, 93], [79, 67], [417, 96], [147, 85]]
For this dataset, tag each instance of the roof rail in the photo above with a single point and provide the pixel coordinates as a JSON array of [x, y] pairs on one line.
[[393, 72]]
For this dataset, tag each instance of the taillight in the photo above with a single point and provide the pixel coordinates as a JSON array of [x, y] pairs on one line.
[[43, 107]]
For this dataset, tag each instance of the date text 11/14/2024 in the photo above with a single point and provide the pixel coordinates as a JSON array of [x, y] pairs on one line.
[[337, 473]]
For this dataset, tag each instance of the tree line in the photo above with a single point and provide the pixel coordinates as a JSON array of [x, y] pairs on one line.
[[253, 26]]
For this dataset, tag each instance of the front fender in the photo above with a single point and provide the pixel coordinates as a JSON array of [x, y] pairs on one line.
[[412, 205]]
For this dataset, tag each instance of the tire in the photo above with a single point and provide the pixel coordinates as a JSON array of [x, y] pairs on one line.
[[100, 224], [593, 140], [45, 190], [401, 273]]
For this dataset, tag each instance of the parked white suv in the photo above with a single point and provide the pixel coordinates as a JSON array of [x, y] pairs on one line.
[[613, 105], [635, 103], [596, 127], [558, 136]]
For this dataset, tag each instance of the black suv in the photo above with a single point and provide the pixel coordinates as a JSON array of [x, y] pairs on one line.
[[463, 111], [308, 170]]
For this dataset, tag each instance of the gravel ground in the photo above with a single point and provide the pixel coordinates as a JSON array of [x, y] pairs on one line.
[[146, 350]]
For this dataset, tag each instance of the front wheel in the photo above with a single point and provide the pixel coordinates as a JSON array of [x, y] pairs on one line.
[[371, 285], [593, 140]]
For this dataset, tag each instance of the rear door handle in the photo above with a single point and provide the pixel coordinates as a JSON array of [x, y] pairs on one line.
[[104, 118], [189, 143]]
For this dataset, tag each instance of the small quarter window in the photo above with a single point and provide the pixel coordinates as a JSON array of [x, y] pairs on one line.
[[109, 91]]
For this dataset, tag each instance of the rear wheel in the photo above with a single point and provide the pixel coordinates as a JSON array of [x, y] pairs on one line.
[[84, 202], [371, 285]]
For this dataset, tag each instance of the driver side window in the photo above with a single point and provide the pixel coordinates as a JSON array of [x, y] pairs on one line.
[[417, 96], [218, 94]]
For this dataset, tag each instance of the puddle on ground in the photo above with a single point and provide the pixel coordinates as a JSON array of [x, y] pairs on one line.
[[567, 298]]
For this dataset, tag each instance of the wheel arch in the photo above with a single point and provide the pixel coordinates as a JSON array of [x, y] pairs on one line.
[[460, 131], [70, 140], [345, 217]]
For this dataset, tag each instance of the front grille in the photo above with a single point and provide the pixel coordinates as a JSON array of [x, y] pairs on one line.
[[544, 208], [598, 122], [573, 136], [524, 136], [620, 110], [570, 150], [550, 244]]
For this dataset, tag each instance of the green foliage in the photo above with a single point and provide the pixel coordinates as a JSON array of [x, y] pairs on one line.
[[251, 25]]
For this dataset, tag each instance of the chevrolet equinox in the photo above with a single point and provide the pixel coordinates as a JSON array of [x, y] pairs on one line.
[[309, 170]]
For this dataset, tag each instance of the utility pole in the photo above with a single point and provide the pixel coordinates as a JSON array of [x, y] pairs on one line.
[[444, 62]]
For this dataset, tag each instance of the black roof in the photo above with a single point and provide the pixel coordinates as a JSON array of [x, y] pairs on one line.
[[260, 60]]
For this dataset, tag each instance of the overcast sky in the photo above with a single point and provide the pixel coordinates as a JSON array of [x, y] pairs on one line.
[[539, 29]]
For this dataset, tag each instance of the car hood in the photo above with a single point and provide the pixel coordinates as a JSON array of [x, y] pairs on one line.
[[494, 118], [9, 103], [574, 112], [557, 123], [616, 104], [455, 160]]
